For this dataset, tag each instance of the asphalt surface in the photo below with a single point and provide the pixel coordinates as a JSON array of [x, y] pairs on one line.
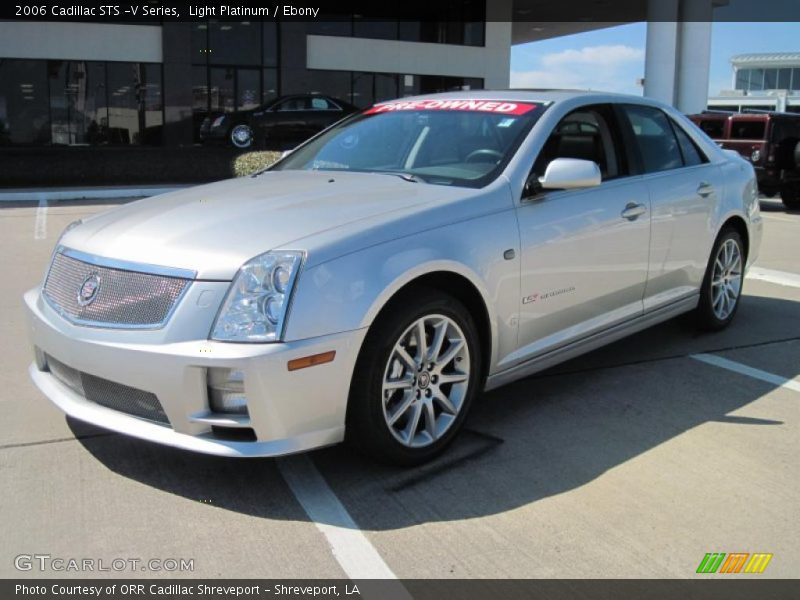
[[632, 461]]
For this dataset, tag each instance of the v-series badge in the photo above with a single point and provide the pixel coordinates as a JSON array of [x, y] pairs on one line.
[[537, 296], [108, 10]]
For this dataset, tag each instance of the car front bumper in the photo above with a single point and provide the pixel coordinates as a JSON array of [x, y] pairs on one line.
[[288, 411]]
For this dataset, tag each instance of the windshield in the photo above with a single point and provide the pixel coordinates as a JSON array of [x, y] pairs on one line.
[[447, 142]]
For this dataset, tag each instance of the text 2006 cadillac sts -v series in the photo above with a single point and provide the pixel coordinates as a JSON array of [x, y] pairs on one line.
[[371, 283]]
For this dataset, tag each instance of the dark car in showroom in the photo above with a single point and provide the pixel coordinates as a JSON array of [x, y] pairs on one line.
[[768, 139], [287, 120]]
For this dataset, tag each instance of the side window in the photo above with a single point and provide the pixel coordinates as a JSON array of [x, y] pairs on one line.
[[655, 139], [586, 134], [323, 104], [692, 155], [292, 104]]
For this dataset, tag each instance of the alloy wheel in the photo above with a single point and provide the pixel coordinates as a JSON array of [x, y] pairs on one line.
[[425, 381], [242, 136], [726, 281]]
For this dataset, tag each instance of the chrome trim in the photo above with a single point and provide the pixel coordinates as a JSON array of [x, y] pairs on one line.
[[125, 265]]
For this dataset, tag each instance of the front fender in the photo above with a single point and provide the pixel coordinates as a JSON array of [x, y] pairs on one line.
[[348, 292]]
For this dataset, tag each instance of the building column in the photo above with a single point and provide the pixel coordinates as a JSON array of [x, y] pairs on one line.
[[678, 53]]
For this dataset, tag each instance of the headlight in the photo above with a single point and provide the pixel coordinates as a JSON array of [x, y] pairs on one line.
[[218, 121], [255, 307], [756, 155]]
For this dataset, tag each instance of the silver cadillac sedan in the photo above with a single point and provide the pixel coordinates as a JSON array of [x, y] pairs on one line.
[[376, 279]]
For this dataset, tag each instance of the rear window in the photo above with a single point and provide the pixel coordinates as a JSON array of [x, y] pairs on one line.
[[713, 128], [748, 130]]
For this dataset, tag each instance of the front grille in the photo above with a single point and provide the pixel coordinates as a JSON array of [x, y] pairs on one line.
[[123, 298], [116, 396]]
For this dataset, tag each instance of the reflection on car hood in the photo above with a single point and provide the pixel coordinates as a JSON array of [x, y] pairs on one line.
[[213, 229]]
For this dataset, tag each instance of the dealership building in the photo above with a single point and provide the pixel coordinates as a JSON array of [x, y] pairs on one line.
[[767, 81], [78, 83]]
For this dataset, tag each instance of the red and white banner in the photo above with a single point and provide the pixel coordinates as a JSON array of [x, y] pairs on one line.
[[493, 106]]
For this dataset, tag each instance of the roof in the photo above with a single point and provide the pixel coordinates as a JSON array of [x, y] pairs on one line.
[[767, 58]]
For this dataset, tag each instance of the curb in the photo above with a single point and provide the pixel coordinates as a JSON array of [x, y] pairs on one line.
[[44, 195]]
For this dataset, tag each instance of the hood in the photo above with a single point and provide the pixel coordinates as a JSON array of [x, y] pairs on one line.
[[213, 229]]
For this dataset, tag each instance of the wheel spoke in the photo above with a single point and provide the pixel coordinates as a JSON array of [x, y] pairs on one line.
[[413, 423], [430, 420], [422, 346], [452, 378], [398, 384], [444, 402], [408, 400], [405, 357], [452, 351], [438, 340]]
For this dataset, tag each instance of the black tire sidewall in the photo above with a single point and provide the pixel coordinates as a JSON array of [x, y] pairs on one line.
[[705, 309], [366, 427]]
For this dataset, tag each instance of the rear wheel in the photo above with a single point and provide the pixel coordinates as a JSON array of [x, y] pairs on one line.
[[722, 285], [415, 379]]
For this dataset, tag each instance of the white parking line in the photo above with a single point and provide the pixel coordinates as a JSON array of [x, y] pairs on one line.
[[775, 218], [724, 363], [773, 276], [40, 226], [351, 548]]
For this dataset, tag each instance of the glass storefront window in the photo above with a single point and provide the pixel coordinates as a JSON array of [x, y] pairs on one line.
[[78, 102], [795, 79], [234, 42], [270, 58], [770, 79], [756, 79], [784, 78], [270, 85], [134, 104], [222, 89], [248, 89], [742, 79], [381, 30], [24, 102]]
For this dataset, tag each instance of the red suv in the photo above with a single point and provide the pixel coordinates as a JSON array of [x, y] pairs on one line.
[[770, 140]]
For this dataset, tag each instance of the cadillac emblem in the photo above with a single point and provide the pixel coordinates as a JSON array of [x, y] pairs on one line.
[[88, 290]]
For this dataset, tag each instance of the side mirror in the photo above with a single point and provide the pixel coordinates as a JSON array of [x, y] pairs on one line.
[[570, 174]]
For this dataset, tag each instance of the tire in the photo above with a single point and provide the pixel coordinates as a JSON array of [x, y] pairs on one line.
[[790, 195], [241, 136], [404, 415], [722, 284]]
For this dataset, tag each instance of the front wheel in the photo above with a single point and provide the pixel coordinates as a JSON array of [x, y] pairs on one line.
[[241, 135], [722, 285], [415, 379]]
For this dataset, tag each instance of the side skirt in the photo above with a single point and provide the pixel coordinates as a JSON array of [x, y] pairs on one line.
[[592, 342]]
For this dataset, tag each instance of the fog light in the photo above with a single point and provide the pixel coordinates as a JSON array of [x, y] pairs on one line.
[[226, 391]]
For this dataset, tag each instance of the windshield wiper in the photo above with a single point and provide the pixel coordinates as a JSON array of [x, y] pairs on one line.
[[403, 175]]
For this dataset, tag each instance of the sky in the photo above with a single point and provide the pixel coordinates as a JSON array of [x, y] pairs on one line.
[[612, 59]]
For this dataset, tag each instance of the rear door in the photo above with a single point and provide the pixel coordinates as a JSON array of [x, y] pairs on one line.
[[684, 190]]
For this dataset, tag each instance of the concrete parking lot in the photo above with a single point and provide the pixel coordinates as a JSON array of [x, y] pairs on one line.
[[632, 461]]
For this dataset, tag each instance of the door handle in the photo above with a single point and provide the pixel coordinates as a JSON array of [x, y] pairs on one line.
[[633, 211], [705, 189]]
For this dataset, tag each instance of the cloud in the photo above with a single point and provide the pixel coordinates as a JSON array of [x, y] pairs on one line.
[[594, 56], [612, 68]]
